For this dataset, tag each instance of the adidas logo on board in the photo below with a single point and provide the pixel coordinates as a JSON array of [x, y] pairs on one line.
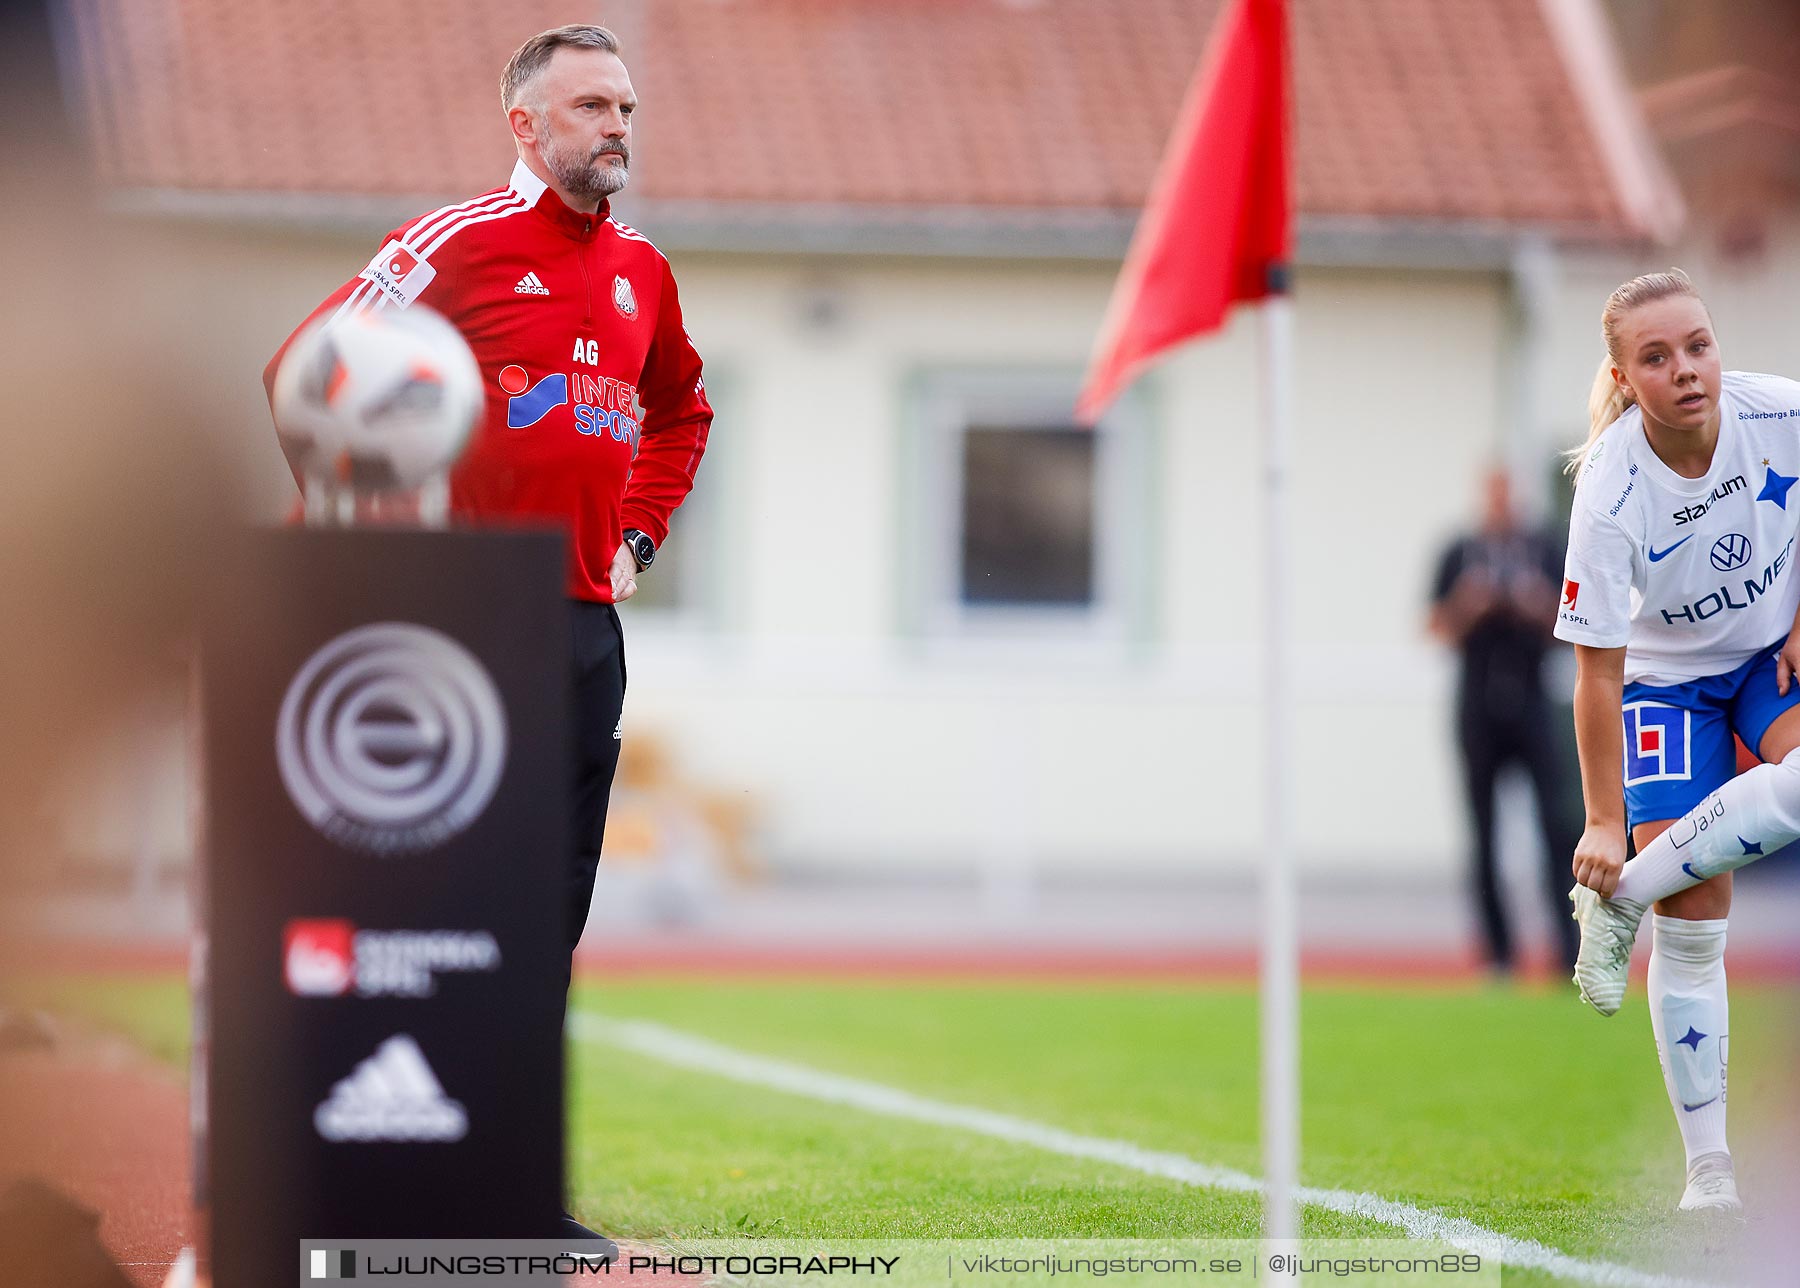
[[393, 1095]]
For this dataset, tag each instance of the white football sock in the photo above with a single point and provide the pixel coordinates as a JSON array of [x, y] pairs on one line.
[[1754, 814], [1691, 1018]]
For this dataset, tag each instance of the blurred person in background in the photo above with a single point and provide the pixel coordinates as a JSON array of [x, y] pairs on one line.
[[1493, 600], [574, 319], [1680, 597]]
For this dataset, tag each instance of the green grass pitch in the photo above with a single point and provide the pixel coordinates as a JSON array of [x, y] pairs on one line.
[[1515, 1108]]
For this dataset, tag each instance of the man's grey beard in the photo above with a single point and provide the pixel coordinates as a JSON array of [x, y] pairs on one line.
[[589, 178]]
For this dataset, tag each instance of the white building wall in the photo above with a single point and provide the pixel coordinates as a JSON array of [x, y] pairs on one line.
[[805, 684], [865, 745]]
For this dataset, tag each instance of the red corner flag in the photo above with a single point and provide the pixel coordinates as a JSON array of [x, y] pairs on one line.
[[1218, 218]]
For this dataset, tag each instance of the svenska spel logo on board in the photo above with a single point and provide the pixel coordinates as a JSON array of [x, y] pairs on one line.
[[319, 958], [333, 957]]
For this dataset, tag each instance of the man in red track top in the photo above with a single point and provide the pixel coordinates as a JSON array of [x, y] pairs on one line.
[[574, 320]]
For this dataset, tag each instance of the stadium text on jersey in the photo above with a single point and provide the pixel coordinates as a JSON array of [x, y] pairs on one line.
[[1687, 514]]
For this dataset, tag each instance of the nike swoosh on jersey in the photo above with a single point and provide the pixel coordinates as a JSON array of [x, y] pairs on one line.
[[1689, 869], [1657, 556], [1703, 1104]]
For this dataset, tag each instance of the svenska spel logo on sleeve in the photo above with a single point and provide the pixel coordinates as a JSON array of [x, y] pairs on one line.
[[399, 273]]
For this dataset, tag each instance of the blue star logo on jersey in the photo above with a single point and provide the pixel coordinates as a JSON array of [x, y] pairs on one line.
[[1775, 487], [1750, 847], [1692, 1038]]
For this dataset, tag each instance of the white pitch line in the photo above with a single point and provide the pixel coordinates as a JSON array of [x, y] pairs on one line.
[[686, 1051]]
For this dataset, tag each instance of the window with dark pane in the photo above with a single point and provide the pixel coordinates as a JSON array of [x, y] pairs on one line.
[[1028, 515]]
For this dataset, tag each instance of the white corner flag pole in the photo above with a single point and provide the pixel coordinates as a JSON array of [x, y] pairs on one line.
[[1280, 973]]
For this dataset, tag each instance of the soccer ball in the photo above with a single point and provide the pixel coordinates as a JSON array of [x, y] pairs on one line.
[[377, 400]]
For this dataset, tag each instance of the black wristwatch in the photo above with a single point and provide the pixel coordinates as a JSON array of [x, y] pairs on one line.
[[642, 548]]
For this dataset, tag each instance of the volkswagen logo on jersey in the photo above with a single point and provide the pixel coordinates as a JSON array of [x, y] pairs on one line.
[[1731, 552], [391, 738], [1656, 743]]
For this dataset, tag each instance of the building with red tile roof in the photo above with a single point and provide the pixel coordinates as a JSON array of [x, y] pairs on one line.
[[844, 114], [895, 224]]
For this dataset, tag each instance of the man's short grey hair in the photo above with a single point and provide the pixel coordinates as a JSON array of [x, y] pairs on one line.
[[534, 55]]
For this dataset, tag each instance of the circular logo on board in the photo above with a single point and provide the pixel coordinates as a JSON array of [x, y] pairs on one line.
[[1730, 553], [391, 738]]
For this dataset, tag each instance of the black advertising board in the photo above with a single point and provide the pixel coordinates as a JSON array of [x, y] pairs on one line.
[[383, 738]]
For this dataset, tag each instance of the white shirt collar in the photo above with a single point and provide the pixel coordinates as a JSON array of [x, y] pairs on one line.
[[525, 183]]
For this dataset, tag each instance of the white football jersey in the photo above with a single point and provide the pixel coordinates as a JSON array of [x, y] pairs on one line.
[[1692, 576]]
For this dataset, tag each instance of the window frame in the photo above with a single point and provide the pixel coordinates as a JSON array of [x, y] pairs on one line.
[[948, 402]]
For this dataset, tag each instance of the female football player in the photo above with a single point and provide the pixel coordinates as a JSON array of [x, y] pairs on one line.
[[1680, 597]]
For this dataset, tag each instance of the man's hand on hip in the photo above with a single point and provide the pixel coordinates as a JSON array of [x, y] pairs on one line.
[[624, 574]]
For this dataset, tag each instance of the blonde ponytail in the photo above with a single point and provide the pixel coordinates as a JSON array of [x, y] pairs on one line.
[[1608, 400], [1606, 404]]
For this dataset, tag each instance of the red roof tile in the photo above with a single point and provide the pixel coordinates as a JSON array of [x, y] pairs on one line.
[[1413, 109]]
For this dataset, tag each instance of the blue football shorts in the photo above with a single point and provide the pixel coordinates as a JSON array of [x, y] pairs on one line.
[[1678, 745]]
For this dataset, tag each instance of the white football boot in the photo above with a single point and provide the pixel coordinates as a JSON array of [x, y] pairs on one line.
[[1711, 1186], [1608, 929]]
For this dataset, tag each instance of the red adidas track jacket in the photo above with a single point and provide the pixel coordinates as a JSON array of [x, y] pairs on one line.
[[575, 323]]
